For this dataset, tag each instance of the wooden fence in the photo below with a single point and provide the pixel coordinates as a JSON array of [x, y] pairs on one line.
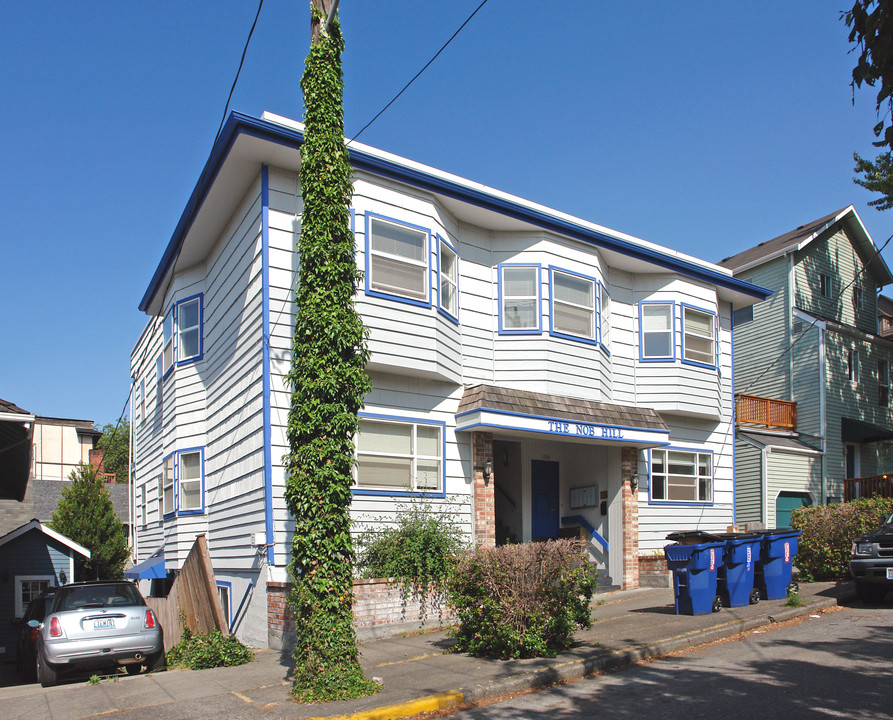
[[194, 593]]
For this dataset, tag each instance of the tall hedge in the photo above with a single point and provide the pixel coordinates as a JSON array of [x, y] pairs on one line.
[[828, 534], [329, 382]]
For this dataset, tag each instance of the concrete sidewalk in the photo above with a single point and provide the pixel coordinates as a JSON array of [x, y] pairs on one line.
[[417, 671]]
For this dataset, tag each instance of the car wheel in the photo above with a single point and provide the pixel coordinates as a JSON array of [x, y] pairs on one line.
[[46, 674], [158, 662], [869, 593], [717, 603], [133, 668], [754, 596]]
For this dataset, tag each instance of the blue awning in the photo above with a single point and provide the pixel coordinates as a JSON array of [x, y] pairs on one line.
[[150, 568]]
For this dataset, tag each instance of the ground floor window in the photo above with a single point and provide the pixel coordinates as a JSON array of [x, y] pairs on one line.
[[28, 588], [224, 591], [399, 456], [681, 476]]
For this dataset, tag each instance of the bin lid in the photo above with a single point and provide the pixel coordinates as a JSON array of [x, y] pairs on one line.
[[693, 537]]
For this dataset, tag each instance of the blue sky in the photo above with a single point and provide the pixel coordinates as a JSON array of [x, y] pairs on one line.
[[706, 127]]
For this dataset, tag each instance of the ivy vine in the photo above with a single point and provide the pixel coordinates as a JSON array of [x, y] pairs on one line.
[[328, 381]]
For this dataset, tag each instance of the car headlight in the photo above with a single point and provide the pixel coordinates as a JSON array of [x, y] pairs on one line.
[[861, 548]]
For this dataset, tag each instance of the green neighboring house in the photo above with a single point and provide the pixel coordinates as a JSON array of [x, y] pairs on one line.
[[811, 372]]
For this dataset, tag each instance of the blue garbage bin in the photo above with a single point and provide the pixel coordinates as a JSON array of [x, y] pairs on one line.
[[694, 569], [773, 574], [741, 555]]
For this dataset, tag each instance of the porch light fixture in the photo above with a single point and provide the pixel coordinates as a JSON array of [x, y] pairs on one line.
[[488, 469], [634, 483]]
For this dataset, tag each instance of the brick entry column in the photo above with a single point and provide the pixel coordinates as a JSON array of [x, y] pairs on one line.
[[629, 471], [484, 502]]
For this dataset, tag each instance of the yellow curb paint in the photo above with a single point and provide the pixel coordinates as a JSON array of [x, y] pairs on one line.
[[408, 660], [439, 701]]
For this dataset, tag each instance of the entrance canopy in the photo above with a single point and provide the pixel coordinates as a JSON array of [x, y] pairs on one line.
[[505, 411], [151, 568], [859, 431]]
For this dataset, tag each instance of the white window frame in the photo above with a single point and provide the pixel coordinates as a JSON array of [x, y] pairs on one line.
[[142, 404], [167, 336], [556, 275], [670, 313], [447, 283], [376, 287], [665, 479], [506, 300], [20, 580], [225, 595], [858, 301], [413, 456], [199, 481], [159, 498], [142, 506], [883, 382], [692, 356], [197, 328], [168, 485], [825, 289]]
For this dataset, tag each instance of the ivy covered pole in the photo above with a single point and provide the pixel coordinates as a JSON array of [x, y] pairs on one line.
[[329, 381]]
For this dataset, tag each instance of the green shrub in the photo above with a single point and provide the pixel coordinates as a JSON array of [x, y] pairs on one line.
[[522, 600], [828, 534], [419, 553], [199, 651]]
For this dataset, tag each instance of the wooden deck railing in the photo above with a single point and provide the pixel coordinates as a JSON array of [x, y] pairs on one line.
[[765, 413], [864, 487]]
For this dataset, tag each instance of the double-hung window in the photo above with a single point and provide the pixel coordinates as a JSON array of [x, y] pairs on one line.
[[825, 288], [167, 486], [573, 306], [883, 383], [519, 298], [397, 259], [681, 476], [190, 480], [656, 330], [698, 336], [448, 275], [28, 588], [189, 330], [397, 456]]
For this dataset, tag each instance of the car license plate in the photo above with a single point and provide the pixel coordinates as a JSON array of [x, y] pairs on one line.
[[105, 624], [890, 573]]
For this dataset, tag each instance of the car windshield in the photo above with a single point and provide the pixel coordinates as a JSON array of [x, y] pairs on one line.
[[99, 596]]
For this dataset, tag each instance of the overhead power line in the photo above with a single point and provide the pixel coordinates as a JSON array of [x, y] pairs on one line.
[[238, 72], [415, 77]]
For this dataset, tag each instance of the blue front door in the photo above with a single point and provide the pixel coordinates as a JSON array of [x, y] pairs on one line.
[[544, 491]]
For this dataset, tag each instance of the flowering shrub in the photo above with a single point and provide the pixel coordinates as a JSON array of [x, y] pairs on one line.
[[828, 534], [522, 600]]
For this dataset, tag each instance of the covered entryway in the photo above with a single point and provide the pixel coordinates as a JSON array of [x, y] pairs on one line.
[[548, 467]]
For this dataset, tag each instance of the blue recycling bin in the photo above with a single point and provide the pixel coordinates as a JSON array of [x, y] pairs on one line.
[[773, 574], [741, 555], [695, 569]]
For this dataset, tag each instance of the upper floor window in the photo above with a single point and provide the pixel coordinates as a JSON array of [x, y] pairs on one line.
[[573, 305], [448, 274], [167, 486], [883, 383], [681, 476], [191, 497], [189, 321], [519, 298], [656, 330], [698, 341], [857, 296], [167, 333], [397, 259], [142, 403], [399, 456], [852, 365], [825, 285]]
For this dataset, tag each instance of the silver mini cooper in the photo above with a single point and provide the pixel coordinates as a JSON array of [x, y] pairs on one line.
[[98, 625]]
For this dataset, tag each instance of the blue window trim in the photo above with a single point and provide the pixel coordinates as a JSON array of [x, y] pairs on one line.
[[229, 587], [409, 493], [596, 310], [201, 330], [170, 314], [180, 453], [538, 330], [601, 312], [660, 359], [712, 313], [440, 308], [674, 448], [369, 217], [173, 511]]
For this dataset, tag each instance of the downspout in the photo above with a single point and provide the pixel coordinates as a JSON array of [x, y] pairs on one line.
[[764, 483], [822, 412], [789, 323], [265, 334], [131, 491]]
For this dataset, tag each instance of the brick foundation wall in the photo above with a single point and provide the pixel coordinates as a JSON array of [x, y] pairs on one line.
[[484, 496], [629, 469], [653, 571], [378, 609]]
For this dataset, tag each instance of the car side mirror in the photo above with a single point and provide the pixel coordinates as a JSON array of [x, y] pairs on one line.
[[34, 623]]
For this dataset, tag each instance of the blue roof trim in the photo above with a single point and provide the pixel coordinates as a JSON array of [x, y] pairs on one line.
[[238, 123]]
